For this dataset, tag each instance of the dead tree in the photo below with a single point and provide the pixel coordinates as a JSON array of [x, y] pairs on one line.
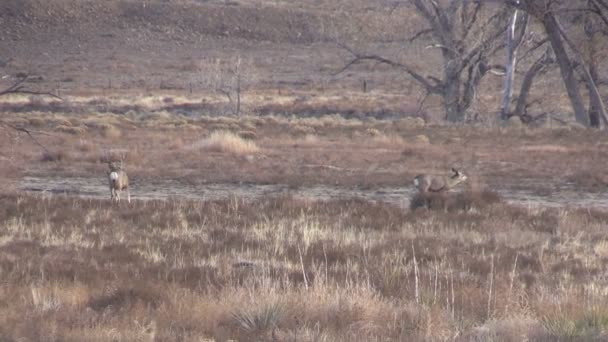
[[545, 12], [230, 79], [466, 35], [19, 87], [514, 40], [538, 67]]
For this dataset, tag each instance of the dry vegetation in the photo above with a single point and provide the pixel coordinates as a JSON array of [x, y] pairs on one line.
[[472, 268], [277, 149], [226, 141], [284, 269]]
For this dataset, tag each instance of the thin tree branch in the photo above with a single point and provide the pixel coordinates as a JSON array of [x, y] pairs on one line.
[[19, 88], [482, 44], [473, 18], [599, 12], [419, 34], [432, 88], [28, 132], [536, 46]]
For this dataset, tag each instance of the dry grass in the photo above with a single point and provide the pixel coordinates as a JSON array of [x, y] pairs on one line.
[[227, 142], [456, 201], [284, 269], [388, 155]]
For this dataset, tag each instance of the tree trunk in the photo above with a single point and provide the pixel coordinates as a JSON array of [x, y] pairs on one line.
[[512, 47], [553, 33], [594, 94], [590, 33], [595, 114], [526, 84], [451, 99]]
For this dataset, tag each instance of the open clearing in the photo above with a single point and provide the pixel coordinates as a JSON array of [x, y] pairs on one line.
[[155, 189]]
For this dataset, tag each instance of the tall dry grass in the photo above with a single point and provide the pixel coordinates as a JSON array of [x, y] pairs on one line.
[[285, 269], [228, 142]]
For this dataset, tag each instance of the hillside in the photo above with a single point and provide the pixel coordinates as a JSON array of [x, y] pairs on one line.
[[137, 48]]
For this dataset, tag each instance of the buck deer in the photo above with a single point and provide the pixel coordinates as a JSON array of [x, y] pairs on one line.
[[428, 185], [432, 183], [119, 181]]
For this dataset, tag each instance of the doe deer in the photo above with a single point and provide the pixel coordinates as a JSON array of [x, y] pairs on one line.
[[428, 185], [119, 181]]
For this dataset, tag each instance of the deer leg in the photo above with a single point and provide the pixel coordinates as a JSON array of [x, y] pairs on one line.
[[128, 196]]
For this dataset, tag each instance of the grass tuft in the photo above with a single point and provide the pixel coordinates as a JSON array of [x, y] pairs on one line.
[[227, 142]]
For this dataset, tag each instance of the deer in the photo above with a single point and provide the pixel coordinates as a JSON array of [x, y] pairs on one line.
[[119, 181], [433, 184]]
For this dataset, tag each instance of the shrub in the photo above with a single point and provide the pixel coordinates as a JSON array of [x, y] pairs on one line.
[[225, 141]]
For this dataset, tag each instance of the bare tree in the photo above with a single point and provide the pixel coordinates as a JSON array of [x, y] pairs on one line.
[[545, 12], [466, 34], [20, 87], [229, 78], [539, 67]]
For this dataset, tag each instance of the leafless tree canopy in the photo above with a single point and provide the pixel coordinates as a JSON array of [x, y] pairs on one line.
[[472, 36], [466, 35], [20, 87]]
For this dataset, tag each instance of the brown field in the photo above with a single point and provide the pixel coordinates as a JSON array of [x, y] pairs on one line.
[[136, 80], [283, 269], [289, 269], [327, 150]]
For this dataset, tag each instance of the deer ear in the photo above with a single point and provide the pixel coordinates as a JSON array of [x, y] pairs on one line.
[[455, 171]]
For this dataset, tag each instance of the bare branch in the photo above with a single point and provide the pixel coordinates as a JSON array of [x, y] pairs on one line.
[[358, 58], [601, 3], [536, 46], [28, 132], [19, 88], [485, 42], [419, 34], [437, 20], [469, 21], [536, 69], [597, 10], [595, 96]]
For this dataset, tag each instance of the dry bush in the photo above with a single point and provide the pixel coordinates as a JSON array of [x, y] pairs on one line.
[[54, 156], [228, 142], [37, 122], [409, 123], [303, 130], [248, 135], [110, 132], [388, 141], [373, 132], [70, 130], [421, 139]]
